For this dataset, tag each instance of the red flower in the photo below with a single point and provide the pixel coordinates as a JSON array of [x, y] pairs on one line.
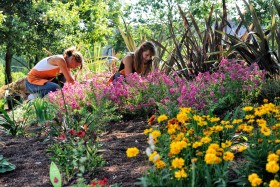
[[103, 182], [93, 184], [72, 132], [55, 180], [151, 120], [81, 133], [61, 137]]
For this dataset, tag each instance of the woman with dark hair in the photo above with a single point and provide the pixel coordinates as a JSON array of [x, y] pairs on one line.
[[140, 61], [52, 72]]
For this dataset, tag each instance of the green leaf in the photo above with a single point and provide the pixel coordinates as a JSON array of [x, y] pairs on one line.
[[55, 176]]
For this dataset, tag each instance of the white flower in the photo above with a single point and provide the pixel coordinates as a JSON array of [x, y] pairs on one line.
[[148, 151]]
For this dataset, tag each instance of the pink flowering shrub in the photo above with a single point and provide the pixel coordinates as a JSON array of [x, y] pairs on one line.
[[137, 93], [231, 84]]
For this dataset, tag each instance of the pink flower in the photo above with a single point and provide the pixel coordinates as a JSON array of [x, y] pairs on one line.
[[72, 132], [61, 137]]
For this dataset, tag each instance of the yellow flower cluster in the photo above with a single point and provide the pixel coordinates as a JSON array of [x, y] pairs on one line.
[[180, 174], [242, 148], [161, 118], [212, 154], [228, 156], [189, 134], [132, 152], [274, 183], [272, 166], [178, 163], [176, 147], [155, 158], [254, 179]]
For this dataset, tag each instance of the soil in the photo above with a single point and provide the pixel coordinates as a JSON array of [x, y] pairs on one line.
[[32, 162]]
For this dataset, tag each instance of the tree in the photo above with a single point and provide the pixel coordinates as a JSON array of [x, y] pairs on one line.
[[32, 25]]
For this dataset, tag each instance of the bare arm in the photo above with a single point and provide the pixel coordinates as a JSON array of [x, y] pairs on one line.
[[63, 66], [128, 64]]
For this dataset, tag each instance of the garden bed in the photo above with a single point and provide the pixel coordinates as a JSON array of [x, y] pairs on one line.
[[32, 162]]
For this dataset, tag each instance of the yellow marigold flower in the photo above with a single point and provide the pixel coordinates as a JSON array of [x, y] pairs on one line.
[[178, 163], [278, 151], [254, 179], [251, 121], [132, 152], [277, 141], [205, 140], [274, 183], [197, 118], [248, 128], [273, 157], [176, 147], [226, 144], [160, 164], [229, 126], [266, 131], [202, 123], [228, 156], [225, 122], [171, 130], [180, 174], [214, 119], [179, 136], [147, 131], [186, 110], [154, 157], [236, 121], [242, 148], [217, 128], [261, 122], [156, 134], [211, 151], [182, 117], [161, 118], [265, 100], [214, 146], [211, 159], [220, 152], [197, 144], [272, 167], [248, 108]]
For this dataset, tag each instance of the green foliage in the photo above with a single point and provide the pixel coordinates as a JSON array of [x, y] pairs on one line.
[[257, 44], [260, 144], [15, 75], [43, 109], [270, 90], [75, 156], [2, 104], [8, 123], [6, 166]]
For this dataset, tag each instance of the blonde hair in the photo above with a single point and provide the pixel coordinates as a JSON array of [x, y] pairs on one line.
[[138, 61], [72, 51]]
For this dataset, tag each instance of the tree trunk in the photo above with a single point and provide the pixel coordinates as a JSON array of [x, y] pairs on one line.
[[8, 59]]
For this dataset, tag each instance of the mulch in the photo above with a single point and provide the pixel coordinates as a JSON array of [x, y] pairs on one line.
[[29, 154]]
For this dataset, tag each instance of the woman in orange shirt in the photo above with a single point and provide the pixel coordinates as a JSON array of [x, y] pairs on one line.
[[52, 72], [140, 61]]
